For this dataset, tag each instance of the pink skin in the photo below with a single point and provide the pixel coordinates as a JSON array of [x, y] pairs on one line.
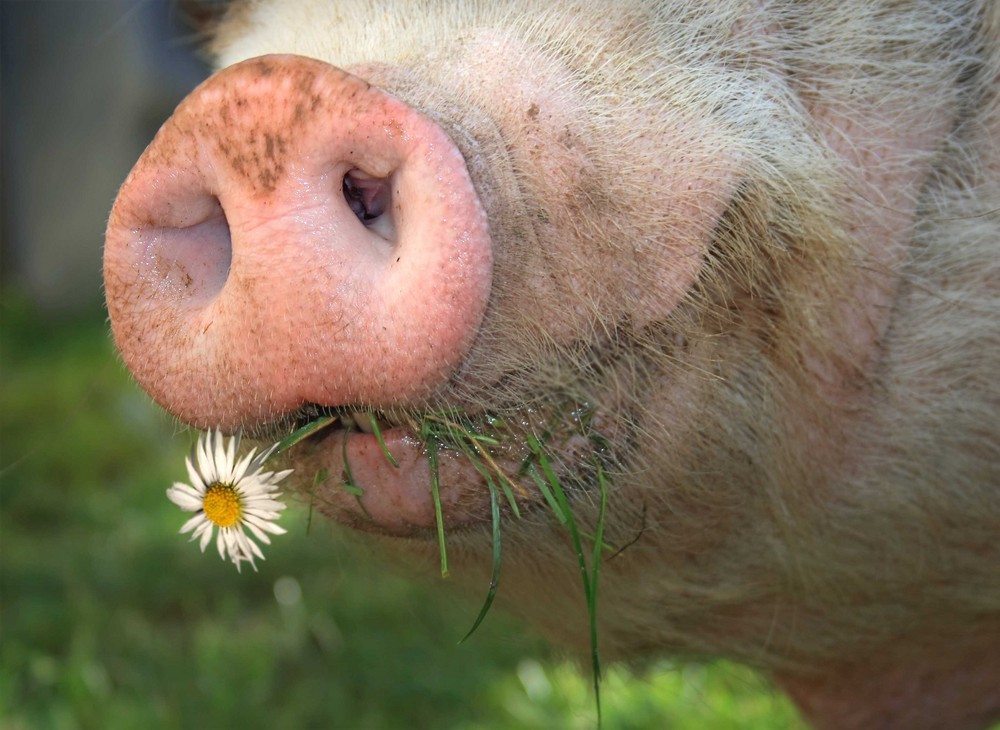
[[232, 246], [397, 499]]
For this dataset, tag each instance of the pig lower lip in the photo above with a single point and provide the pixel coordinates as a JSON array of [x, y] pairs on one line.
[[397, 499]]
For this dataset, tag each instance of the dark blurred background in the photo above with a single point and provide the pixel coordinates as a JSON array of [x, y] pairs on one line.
[[85, 87], [108, 617]]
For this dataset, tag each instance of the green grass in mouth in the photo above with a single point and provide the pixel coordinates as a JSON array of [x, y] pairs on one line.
[[444, 430]]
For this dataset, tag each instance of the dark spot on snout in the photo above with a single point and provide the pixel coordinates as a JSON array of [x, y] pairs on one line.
[[532, 112], [257, 154], [264, 67], [275, 147], [258, 117]]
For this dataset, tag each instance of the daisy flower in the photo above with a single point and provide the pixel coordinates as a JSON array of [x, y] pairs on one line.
[[233, 496]]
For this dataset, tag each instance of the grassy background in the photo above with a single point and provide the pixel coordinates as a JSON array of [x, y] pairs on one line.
[[110, 619]]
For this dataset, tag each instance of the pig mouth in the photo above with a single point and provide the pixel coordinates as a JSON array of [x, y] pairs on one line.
[[398, 472]]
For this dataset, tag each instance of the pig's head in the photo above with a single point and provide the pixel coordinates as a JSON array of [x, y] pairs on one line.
[[297, 241], [674, 243]]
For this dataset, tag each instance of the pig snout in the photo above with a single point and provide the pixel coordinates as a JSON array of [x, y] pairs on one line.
[[293, 235]]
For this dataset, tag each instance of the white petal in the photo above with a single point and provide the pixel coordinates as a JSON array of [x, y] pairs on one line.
[[231, 543], [205, 463], [206, 526], [219, 457], [257, 532], [262, 477], [241, 544], [251, 486], [185, 497], [259, 529], [269, 480], [243, 554], [249, 544], [240, 469], [264, 502], [206, 535], [266, 454], [252, 520], [262, 514], [193, 522], [193, 475], [234, 443], [281, 475], [223, 542], [264, 499]]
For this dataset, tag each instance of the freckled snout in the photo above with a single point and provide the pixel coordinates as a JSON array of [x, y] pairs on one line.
[[293, 235]]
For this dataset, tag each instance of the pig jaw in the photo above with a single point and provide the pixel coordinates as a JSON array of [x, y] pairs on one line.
[[294, 236]]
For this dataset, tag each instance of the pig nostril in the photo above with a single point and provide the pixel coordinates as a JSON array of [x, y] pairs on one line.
[[191, 254], [368, 197]]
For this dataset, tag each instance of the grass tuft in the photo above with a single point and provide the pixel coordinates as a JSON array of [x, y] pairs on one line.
[[450, 431]]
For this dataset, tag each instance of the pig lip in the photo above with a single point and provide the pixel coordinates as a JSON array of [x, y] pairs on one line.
[[396, 499], [395, 496]]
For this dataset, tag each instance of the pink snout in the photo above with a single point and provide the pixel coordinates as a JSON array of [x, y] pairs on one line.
[[293, 235]]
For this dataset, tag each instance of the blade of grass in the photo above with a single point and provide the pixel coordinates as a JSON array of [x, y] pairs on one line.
[[481, 439], [347, 478], [495, 576], [432, 458], [547, 493], [465, 440], [589, 587], [381, 442], [495, 513], [317, 480], [560, 497], [481, 468], [457, 435], [308, 430]]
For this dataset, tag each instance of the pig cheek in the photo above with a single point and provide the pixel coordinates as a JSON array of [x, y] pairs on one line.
[[598, 233]]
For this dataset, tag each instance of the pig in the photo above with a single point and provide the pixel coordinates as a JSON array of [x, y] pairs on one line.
[[735, 262]]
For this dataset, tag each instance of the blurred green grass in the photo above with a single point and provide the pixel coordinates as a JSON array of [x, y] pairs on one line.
[[110, 619]]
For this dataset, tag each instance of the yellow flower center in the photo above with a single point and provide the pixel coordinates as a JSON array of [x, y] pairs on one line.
[[222, 504]]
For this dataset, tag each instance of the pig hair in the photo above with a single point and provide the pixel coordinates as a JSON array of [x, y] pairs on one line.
[[760, 239]]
